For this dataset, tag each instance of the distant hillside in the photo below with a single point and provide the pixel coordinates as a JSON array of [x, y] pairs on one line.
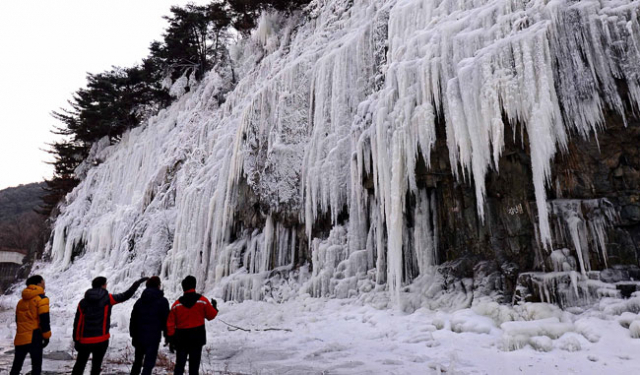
[[18, 200], [21, 228]]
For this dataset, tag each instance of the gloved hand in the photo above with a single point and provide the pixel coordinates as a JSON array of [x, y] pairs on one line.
[[140, 281], [214, 303], [45, 342], [172, 348]]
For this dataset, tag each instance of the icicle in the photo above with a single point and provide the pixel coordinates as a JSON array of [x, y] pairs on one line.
[[585, 221], [267, 245], [394, 219], [423, 234]]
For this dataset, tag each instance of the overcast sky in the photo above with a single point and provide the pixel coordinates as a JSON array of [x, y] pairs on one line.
[[46, 49]]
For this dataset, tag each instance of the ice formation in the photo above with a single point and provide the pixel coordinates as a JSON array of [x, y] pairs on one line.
[[634, 329], [584, 221], [581, 224], [265, 190]]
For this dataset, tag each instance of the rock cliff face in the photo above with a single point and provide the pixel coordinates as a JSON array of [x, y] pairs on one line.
[[407, 147], [595, 185]]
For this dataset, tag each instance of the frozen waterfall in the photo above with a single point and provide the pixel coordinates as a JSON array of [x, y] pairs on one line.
[[300, 181]]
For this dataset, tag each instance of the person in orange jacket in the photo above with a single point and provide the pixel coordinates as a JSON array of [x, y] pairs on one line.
[[185, 326], [34, 328]]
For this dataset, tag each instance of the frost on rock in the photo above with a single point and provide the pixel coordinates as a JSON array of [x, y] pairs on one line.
[[295, 171], [518, 334], [467, 321], [570, 342], [565, 289], [179, 87], [634, 329], [583, 223], [541, 343]]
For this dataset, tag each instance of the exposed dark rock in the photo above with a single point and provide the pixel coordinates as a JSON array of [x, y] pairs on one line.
[[606, 168], [627, 289], [611, 275]]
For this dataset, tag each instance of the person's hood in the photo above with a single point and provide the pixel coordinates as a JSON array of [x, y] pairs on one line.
[[95, 294], [152, 293], [31, 292], [189, 299]]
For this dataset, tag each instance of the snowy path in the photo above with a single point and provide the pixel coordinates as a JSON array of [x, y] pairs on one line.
[[345, 337]]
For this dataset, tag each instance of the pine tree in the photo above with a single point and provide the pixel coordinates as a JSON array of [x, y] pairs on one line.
[[68, 156], [246, 12], [113, 102], [187, 44]]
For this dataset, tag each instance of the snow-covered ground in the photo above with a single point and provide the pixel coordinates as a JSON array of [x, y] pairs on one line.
[[361, 81], [351, 336]]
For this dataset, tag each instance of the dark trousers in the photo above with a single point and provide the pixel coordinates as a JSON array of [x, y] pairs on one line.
[[194, 353], [34, 350], [146, 354], [84, 350]]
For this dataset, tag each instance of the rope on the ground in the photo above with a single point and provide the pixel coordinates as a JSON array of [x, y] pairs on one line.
[[254, 329]]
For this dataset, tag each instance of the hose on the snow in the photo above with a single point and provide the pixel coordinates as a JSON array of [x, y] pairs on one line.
[[254, 329]]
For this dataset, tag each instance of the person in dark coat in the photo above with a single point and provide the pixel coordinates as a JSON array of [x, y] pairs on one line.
[[92, 321], [148, 323], [185, 326]]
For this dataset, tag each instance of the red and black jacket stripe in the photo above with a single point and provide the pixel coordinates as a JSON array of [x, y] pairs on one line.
[[93, 317], [185, 324]]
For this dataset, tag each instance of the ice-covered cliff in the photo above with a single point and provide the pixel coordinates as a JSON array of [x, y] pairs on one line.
[[339, 163]]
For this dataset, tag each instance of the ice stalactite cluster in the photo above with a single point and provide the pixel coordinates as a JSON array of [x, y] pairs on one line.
[[483, 64], [583, 224], [255, 254], [306, 170], [565, 288]]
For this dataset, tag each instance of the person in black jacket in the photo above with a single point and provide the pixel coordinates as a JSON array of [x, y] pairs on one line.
[[92, 321], [148, 322]]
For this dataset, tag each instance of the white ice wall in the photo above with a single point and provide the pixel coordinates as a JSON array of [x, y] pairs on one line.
[[347, 89]]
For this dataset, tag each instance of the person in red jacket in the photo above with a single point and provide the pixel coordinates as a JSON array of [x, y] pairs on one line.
[[92, 321], [185, 326]]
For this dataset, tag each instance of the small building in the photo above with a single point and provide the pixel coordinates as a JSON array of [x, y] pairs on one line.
[[10, 263]]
